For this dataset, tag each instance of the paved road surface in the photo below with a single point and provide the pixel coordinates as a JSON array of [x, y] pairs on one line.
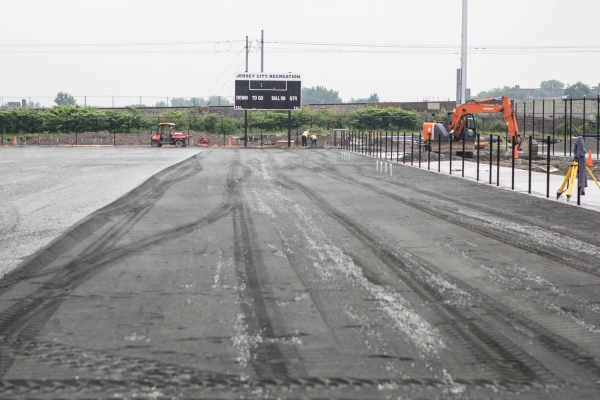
[[292, 273]]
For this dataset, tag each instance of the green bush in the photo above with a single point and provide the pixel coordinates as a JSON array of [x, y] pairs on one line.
[[383, 119], [498, 126]]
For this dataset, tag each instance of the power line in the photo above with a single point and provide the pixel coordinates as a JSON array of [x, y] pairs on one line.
[[282, 46]]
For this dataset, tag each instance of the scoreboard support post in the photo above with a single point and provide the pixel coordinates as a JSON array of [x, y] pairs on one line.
[[289, 128], [245, 128]]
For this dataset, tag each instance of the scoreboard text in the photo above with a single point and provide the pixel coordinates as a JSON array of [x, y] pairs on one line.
[[265, 91]]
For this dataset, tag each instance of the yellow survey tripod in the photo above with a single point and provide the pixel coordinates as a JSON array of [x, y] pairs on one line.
[[569, 180]]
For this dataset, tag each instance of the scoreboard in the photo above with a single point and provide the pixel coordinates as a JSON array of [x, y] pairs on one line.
[[267, 91]]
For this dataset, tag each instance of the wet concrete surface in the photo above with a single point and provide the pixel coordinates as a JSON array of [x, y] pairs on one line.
[[45, 190], [279, 273]]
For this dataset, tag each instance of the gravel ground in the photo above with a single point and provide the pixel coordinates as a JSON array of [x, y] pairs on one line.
[[243, 273], [144, 138], [45, 190]]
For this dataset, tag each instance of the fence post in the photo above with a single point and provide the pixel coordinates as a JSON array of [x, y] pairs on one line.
[[420, 140], [478, 157], [498, 163], [386, 135], [398, 146], [429, 154], [533, 119], [524, 117], [439, 153], [362, 142], [548, 171], [412, 150], [565, 126], [451, 140], [570, 125], [553, 119], [584, 115], [530, 156], [513, 163], [492, 155], [392, 147], [404, 148], [464, 140], [543, 123]]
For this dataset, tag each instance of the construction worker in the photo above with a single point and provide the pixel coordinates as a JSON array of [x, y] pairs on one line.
[[579, 153], [313, 140], [305, 137]]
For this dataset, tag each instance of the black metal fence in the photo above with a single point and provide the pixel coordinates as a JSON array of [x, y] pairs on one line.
[[561, 119], [406, 148]]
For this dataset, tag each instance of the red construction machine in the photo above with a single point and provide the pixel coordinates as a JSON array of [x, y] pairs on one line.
[[460, 123], [165, 134]]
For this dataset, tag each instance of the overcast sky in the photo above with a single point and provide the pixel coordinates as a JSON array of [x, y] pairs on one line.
[[182, 48]]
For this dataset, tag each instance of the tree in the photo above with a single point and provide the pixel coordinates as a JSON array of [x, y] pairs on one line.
[[320, 95], [160, 104], [197, 101], [578, 90], [551, 84], [373, 99], [540, 93], [218, 101], [34, 104], [513, 92], [64, 99]]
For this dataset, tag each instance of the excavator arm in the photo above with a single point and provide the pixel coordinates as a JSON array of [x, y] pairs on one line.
[[459, 116]]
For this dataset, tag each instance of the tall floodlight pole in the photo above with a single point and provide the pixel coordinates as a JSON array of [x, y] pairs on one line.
[[463, 55], [246, 53], [262, 50]]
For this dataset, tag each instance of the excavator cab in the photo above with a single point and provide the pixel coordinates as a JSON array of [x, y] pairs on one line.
[[470, 130]]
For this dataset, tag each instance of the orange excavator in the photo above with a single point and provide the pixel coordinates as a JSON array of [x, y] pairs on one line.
[[460, 123]]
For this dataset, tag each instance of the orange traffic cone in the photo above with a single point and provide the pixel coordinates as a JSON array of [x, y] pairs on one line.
[[516, 151], [410, 145], [15, 140], [228, 142], [590, 163]]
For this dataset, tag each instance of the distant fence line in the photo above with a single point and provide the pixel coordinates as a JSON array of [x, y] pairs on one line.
[[559, 118]]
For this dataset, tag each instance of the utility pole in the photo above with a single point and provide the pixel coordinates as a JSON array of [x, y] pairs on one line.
[[246, 111], [262, 50]]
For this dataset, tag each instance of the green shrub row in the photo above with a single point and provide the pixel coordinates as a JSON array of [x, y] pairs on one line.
[[71, 119]]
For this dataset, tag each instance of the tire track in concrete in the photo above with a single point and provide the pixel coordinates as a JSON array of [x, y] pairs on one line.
[[554, 245], [26, 317], [265, 323], [136, 201], [553, 343], [487, 346]]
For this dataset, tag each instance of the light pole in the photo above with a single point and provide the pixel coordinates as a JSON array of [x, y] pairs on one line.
[[463, 55]]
